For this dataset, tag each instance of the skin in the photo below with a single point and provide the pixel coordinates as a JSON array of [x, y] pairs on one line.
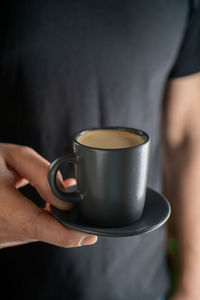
[[181, 155], [21, 221]]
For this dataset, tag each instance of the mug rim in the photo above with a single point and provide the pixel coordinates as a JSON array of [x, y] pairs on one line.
[[122, 128]]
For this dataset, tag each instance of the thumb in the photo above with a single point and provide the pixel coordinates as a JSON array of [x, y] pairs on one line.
[[67, 183]]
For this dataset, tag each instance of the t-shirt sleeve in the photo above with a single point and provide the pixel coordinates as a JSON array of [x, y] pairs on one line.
[[188, 59]]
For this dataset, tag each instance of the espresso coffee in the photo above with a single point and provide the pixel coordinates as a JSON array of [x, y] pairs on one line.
[[110, 139]]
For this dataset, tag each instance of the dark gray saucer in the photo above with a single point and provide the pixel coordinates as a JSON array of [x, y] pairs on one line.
[[156, 212]]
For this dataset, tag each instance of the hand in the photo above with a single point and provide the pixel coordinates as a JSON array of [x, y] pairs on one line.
[[21, 221]]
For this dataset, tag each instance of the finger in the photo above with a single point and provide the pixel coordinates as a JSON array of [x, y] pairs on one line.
[[47, 207], [10, 239], [67, 183], [21, 182], [33, 167], [36, 223], [18, 180], [16, 243]]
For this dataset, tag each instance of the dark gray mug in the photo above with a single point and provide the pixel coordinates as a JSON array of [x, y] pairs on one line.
[[111, 183]]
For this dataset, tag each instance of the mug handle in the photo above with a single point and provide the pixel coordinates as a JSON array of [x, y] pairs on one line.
[[72, 196]]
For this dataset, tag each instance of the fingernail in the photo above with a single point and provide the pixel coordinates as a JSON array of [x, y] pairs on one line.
[[89, 240]]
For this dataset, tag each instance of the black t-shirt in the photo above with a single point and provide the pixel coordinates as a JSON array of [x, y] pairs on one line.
[[69, 65], [188, 60]]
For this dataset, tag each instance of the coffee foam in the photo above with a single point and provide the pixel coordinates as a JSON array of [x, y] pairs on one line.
[[110, 139]]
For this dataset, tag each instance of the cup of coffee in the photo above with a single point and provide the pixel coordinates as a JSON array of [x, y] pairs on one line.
[[111, 169]]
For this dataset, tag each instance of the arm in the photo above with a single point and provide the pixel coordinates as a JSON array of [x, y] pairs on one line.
[[181, 156]]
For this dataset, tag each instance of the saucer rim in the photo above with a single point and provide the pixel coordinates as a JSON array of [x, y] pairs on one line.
[[101, 231]]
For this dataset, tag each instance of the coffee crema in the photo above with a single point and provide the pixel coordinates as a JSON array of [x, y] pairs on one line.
[[110, 139]]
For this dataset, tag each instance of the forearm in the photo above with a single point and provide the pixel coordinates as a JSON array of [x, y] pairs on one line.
[[182, 187]]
